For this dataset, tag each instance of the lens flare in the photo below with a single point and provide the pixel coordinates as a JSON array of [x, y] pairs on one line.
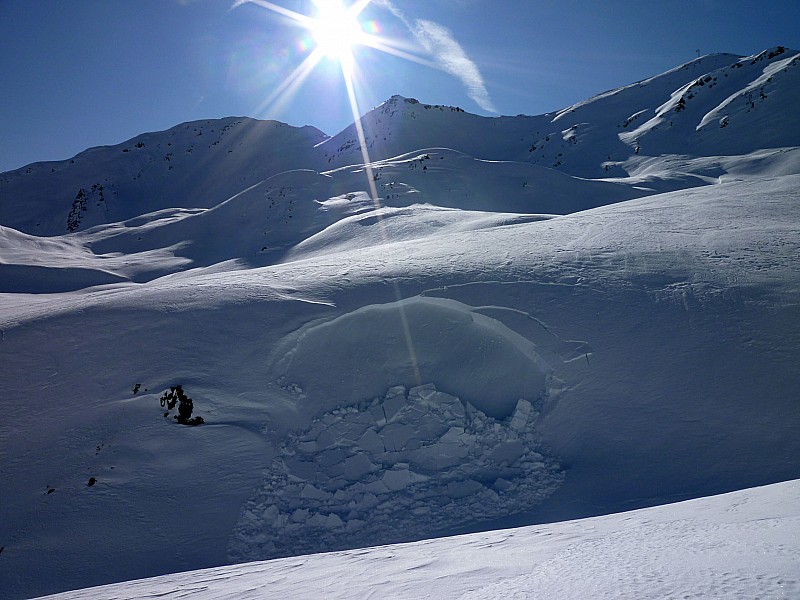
[[336, 31], [333, 32]]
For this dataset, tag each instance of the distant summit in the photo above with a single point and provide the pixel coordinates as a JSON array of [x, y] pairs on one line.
[[192, 165], [715, 105]]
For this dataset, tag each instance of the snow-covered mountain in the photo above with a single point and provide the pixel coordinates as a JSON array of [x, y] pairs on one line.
[[515, 330], [717, 105], [192, 165]]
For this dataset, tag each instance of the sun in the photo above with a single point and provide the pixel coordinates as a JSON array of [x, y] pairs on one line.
[[336, 30]]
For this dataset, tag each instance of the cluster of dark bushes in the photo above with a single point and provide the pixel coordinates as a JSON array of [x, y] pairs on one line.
[[176, 396]]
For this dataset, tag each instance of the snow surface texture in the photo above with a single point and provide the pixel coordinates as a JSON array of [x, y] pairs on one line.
[[409, 465], [411, 462], [652, 335], [410, 342], [739, 545]]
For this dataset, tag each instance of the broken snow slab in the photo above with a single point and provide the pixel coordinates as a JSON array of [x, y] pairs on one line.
[[410, 464]]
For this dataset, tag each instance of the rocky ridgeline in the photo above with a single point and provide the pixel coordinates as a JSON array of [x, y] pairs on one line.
[[402, 467]]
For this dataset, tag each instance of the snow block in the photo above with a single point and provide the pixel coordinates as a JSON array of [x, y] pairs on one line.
[[375, 481], [372, 442], [522, 413], [394, 402], [355, 467], [396, 435], [396, 479], [312, 493]]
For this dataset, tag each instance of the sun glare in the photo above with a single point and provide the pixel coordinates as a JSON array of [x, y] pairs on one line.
[[335, 30]]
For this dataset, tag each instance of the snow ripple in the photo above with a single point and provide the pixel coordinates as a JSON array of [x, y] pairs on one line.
[[412, 464]]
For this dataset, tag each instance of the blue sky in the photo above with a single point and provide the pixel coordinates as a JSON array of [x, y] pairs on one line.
[[93, 72]]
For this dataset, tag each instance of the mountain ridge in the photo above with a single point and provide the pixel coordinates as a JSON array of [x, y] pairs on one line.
[[606, 136]]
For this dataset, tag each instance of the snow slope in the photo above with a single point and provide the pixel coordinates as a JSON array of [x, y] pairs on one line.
[[739, 545], [177, 168], [716, 105], [660, 326], [450, 360]]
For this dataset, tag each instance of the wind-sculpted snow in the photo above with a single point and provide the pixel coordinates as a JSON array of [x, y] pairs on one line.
[[408, 465], [389, 225], [360, 354], [454, 179]]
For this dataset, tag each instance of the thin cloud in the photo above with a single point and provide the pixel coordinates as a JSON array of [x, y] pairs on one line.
[[439, 42]]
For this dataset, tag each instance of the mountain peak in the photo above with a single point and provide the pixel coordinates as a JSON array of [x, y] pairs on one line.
[[714, 105], [397, 98]]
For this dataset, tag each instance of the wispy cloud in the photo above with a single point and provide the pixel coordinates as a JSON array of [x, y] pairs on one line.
[[440, 43]]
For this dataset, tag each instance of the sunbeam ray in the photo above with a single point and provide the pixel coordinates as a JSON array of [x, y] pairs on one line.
[[385, 46], [347, 74], [336, 31], [304, 20], [286, 90]]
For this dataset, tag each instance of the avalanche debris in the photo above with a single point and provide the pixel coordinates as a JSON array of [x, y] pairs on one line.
[[400, 467]]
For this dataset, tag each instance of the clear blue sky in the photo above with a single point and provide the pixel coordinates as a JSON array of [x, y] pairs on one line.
[[83, 73]]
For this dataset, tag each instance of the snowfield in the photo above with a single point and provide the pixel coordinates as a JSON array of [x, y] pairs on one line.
[[506, 336], [738, 545]]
